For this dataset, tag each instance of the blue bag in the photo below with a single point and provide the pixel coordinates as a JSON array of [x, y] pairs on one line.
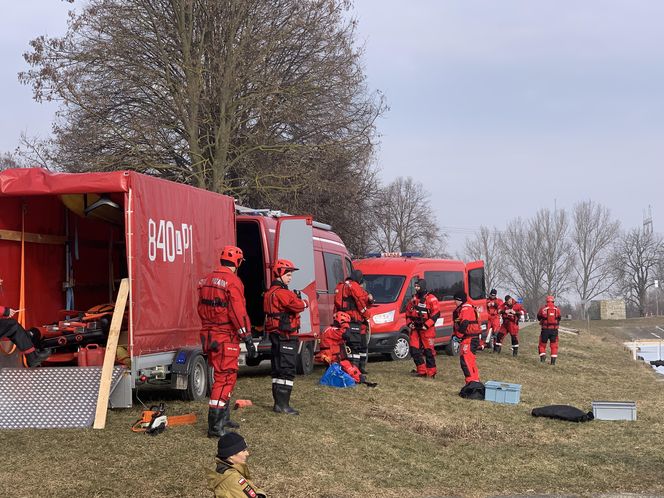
[[334, 376]]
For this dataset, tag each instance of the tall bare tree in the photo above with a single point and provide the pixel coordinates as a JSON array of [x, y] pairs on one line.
[[636, 257], [485, 245], [261, 99], [523, 271], [403, 220], [593, 233], [556, 251], [538, 256]]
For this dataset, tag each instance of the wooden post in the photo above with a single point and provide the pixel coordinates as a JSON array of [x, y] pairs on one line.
[[109, 357]]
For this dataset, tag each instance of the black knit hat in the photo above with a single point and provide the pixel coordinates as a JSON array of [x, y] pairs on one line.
[[460, 296], [230, 444], [493, 292], [422, 284]]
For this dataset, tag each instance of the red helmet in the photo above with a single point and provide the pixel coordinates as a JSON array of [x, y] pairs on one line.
[[283, 266], [549, 299], [232, 254], [340, 317]]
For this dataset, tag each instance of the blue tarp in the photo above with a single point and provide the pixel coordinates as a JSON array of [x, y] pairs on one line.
[[334, 376]]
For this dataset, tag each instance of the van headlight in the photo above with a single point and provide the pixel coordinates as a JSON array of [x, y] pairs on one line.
[[383, 317]]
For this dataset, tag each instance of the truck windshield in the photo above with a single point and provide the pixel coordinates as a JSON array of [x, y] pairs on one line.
[[384, 288]]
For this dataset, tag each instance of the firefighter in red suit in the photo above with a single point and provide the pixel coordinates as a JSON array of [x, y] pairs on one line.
[[467, 330], [224, 323], [350, 297], [493, 305], [333, 346], [282, 321], [422, 312], [511, 313], [549, 318], [13, 331]]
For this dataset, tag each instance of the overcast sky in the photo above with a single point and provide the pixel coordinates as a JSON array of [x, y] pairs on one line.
[[498, 107]]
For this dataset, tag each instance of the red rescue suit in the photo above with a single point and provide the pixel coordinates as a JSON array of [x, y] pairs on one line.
[[350, 297], [467, 329], [333, 350], [421, 316], [493, 308], [511, 313], [282, 321], [549, 318], [224, 320]]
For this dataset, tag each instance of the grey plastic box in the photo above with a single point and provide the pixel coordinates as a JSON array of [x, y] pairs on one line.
[[614, 410], [502, 392]]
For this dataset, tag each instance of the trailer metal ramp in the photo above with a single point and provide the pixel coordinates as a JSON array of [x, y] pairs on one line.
[[51, 397]]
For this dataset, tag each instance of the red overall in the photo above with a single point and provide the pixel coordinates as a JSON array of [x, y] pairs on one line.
[[421, 317], [224, 320], [493, 308], [350, 297], [467, 329], [549, 318], [333, 350], [511, 313]]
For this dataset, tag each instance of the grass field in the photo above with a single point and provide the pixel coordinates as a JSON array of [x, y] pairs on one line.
[[408, 437]]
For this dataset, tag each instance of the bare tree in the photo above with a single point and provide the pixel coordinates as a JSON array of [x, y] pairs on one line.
[[523, 271], [636, 257], [485, 245], [403, 220], [257, 98], [556, 251], [593, 234], [8, 160], [538, 257]]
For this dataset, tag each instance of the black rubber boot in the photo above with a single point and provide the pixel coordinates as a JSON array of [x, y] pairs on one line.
[[543, 359], [34, 358], [515, 350], [215, 422], [227, 422], [496, 348], [363, 365], [282, 404], [553, 361]]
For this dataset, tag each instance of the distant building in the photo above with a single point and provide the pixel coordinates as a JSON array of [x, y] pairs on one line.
[[608, 309]]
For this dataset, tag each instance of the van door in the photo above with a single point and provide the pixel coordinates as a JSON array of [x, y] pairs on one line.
[[294, 241], [476, 288]]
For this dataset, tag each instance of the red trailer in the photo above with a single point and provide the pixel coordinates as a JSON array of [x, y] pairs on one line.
[[78, 235]]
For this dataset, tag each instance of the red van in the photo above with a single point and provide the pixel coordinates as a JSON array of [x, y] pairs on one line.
[[391, 281], [322, 259]]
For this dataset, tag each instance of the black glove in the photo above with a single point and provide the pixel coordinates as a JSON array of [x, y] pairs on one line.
[[251, 349], [298, 294]]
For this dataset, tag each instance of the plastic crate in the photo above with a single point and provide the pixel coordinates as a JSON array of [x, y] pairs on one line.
[[614, 410], [502, 392]]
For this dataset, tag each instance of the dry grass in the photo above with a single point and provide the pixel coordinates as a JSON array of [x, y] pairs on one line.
[[408, 437]]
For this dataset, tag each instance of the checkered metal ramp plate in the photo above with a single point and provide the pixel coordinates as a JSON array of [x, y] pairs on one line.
[[49, 398]]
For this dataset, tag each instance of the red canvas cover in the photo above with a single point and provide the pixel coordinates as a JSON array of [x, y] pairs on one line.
[[174, 233]]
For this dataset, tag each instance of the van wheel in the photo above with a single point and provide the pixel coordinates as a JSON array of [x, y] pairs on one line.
[[305, 360], [197, 385], [452, 348], [401, 349]]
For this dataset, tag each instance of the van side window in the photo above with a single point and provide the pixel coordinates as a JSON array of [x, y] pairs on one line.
[[349, 266], [444, 284], [476, 285], [410, 292], [334, 270]]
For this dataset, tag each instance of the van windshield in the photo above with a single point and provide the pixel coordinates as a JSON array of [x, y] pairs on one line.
[[384, 288]]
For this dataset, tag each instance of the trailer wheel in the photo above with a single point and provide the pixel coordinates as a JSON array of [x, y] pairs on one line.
[[401, 349], [305, 360], [197, 385]]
